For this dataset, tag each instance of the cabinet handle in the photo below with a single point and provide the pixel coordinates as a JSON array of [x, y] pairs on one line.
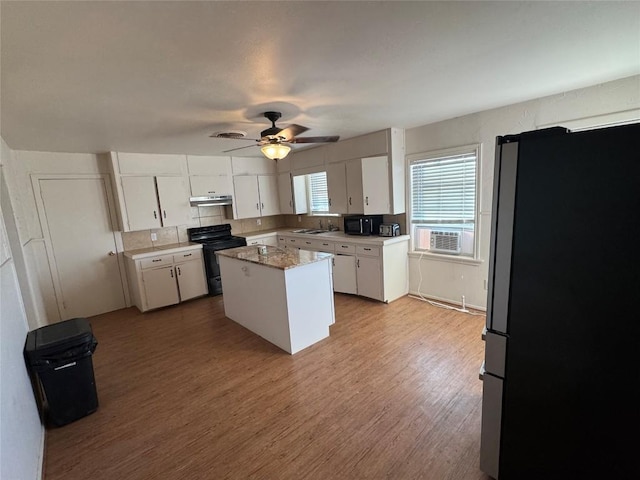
[[165, 213], [156, 260], [257, 206], [262, 205], [290, 203], [366, 199], [211, 191], [344, 246], [358, 263], [349, 200], [178, 268], [367, 249], [171, 271], [187, 254], [329, 202], [333, 262], [155, 215]]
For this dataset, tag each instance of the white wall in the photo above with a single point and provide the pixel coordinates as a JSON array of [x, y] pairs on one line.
[[449, 280], [21, 432]]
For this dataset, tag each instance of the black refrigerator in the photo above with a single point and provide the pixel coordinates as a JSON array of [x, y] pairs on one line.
[[561, 382]]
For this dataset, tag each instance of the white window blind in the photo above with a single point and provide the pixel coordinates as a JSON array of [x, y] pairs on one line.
[[444, 202], [318, 192], [443, 190]]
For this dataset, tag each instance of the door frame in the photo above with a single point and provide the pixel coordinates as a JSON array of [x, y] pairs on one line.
[[46, 234]]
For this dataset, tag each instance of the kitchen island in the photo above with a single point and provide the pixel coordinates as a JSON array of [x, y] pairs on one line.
[[285, 296]]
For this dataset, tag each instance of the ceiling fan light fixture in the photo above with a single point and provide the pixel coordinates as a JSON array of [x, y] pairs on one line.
[[275, 151]]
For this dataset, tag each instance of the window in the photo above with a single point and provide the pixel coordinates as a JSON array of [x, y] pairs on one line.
[[317, 193], [444, 201]]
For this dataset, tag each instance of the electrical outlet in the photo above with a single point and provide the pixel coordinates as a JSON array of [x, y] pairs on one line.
[[258, 221], [154, 236]]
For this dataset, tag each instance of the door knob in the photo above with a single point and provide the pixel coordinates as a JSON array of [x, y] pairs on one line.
[[112, 253]]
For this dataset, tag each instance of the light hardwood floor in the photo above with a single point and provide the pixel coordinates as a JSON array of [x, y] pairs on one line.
[[186, 393]]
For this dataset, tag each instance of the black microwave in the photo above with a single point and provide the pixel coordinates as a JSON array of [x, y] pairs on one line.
[[362, 224]]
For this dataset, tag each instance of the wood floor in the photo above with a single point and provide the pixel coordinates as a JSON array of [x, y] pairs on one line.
[[186, 393]]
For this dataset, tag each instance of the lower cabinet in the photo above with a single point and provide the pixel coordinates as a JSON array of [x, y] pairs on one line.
[[161, 280], [362, 267], [263, 239]]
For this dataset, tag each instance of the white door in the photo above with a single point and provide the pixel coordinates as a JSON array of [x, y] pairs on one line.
[[268, 188], [337, 188], [344, 274], [369, 277], [375, 185], [160, 287], [285, 193], [81, 236], [191, 279], [141, 202], [174, 201], [354, 187], [246, 201]]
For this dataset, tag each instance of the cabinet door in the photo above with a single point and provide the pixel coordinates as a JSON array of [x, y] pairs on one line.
[[202, 186], [369, 274], [246, 201], [160, 287], [141, 203], [344, 274], [191, 279], [300, 194], [375, 185], [285, 193], [268, 189], [174, 201], [337, 188], [355, 198]]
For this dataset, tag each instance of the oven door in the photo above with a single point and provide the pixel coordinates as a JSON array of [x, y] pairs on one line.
[[212, 268]]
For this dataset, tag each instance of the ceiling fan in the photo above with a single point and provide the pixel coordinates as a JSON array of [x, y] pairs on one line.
[[274, 140]]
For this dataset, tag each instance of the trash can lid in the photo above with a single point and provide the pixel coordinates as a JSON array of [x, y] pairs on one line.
[[59, 337]]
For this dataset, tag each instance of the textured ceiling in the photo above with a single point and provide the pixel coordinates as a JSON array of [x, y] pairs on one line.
[[160, 77]]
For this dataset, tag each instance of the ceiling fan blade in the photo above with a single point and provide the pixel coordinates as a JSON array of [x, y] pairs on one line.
[[240, 148], [213, 135], [327, 139], [291, 131]]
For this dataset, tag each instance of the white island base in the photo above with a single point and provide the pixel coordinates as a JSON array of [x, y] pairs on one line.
[[285, 297]]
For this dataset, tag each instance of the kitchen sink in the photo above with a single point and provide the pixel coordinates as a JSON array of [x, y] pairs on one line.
[[309, 230]]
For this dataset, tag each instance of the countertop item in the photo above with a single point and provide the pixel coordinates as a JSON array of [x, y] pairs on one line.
[[275, 257], [160, 250]]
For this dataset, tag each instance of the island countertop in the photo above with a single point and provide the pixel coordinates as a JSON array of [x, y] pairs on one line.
[[275, 257]]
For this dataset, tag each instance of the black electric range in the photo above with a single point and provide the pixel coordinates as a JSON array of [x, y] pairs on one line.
[[213, 238]]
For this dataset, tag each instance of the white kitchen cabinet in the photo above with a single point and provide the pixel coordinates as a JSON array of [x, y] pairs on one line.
[[209, 165], [264, 239], [369, 275], [160, 287], [191, 282], [337, 188], [374, 188], [207, 185], [344, 274], [292, 194], [255, 196], [268, 190], [158, 280], [154, 202], [355, 197]]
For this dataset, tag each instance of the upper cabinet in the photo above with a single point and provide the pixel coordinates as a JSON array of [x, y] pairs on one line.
[[255, 196], [366, 174], [210, 175], [292, 193], [153, 192]]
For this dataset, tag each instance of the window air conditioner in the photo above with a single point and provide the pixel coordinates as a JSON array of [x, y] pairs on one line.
[[445, 242]]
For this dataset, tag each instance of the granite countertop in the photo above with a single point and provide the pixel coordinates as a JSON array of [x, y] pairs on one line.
[[275, 257], [161, 249]]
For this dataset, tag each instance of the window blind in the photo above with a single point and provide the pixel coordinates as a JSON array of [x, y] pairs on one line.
[[318, 192], [443, 190]]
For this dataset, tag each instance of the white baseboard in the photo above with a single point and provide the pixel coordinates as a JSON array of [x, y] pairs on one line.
[[446, 300]]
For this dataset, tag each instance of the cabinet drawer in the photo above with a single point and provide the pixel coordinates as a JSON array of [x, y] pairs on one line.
[[372, 251], [345, 248], [159, 261], [324, 246], [307, 244], [190, 255]]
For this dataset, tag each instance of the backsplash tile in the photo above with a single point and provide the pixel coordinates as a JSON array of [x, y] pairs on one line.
[[136, 240], [166, 236]]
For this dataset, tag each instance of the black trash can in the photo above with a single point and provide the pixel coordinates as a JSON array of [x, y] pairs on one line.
[[59, 360]]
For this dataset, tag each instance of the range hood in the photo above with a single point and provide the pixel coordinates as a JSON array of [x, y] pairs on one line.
[[211, 200]]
